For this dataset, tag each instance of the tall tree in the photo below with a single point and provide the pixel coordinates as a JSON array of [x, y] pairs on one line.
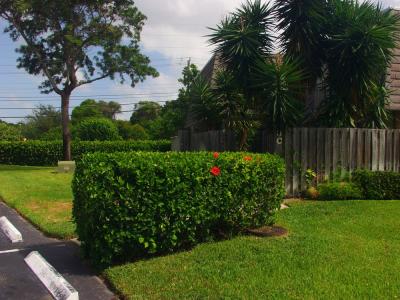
[[243, 38], [43, 119], [64, 38], [302, 24], [361, 39], [90, 108], [145, 111], [10, 132]]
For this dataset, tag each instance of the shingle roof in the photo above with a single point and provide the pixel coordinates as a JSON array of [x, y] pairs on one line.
[[393, 77]]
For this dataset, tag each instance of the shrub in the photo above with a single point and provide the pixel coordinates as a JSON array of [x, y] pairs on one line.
[[129, 131], [134, 204], [312, 193], [339, 191], [96, 130], [9, 132], [378, 185], [54, 134], [42, 153]]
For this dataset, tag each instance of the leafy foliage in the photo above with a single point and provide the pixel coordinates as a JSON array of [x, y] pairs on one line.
[[303, 24], [131, 132], [60, 37], [54, 134], [48, 153], [145, 111], [92, 109], [250, 90], [339, 191], [96, 130], [243, 38], [280, 84], [378, 185], [133, 204], [43, 119], [9, 132], [362, 37]]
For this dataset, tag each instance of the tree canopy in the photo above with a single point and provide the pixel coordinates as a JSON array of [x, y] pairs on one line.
[[91, 108], [76, 42], [340, 47]]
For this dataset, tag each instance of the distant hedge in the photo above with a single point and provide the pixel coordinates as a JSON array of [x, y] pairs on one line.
[[378, 185], [134, 204], [43, 153]]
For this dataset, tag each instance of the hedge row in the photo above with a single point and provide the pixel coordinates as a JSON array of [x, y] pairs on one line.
[[42, 153], [134, 204], [378, 185]]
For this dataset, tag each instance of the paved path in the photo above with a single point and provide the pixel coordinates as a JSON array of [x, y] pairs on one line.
[[18, 282]]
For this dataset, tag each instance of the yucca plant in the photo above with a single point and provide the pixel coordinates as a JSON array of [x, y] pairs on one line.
[[237, 113], [359, 48], [302, 25], [280, 85], [242, 38], [203, 105]]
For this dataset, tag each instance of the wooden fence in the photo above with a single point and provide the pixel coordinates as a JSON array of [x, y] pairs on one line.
[[324, 150]]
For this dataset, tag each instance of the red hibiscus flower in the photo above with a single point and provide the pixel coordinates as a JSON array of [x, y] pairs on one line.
[[216, 155], [215, 171], [248, 158]]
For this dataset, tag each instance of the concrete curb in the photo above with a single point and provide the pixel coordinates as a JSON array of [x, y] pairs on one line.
[[52, 280], [10, 231]]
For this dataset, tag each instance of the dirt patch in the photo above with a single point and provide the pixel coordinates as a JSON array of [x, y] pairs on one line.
[[268, 231], [54, 211]]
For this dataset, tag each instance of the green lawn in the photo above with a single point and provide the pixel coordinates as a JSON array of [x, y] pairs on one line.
[[42, 196], [348, 249], [335, 250]]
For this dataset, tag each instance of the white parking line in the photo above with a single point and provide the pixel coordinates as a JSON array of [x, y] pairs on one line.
[[52, 280], [10, 231], [10, 251]]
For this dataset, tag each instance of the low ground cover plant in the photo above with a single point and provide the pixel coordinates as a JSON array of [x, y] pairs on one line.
[[43, 153], [361, 184], [134, 204], [378, 185], [339, 191]]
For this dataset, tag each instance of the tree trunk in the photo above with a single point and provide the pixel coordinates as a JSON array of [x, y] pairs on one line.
[[243, 140], [65, 127]]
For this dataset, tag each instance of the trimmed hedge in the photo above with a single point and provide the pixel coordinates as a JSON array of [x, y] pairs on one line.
[[42, 153], [378, 185], [339, 191], [130, 205]]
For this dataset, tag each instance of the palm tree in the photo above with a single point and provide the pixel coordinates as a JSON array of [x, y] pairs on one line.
[[359, 48], [242, 38], [233, 109], [280, 84], [302, 24]]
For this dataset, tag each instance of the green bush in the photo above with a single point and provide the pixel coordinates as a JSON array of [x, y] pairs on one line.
[[134, 204], [339, 191], [54, 134], [10, 132], [378, 185], [96, 130], [129, 131], [42, 153]]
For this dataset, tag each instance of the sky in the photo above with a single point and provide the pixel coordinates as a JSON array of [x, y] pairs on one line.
[[174, 32]]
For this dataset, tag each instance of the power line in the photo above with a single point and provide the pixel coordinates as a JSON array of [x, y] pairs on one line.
[[94, 95], [111, 99], [28, 108], [192, 58]]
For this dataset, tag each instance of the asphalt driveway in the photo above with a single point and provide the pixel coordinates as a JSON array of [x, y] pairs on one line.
[[17, 281]]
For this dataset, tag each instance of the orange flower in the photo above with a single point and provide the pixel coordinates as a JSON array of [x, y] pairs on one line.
[[215, 171], [216, 155], [248, 158]]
